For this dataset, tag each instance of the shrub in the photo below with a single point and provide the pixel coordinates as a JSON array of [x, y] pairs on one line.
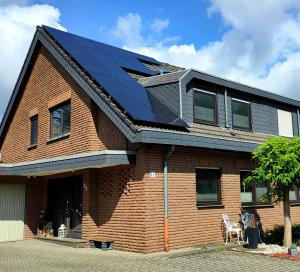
[[275, 236]]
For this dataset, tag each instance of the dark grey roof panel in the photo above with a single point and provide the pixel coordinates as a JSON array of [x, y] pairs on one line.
[[185, 139], [68, 163], [162, 79]]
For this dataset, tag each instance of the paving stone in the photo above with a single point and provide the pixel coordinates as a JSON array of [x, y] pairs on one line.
[[39, 256]]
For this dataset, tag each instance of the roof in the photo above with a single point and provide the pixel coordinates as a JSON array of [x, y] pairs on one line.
[[162, 79], [107, 66], [139, 130], [95, 159], [189, 74]]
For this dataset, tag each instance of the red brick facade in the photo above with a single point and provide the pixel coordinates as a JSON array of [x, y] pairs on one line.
[[123, 204]]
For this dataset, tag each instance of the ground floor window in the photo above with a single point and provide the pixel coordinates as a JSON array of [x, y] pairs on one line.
[[208, 186], [294, 195], [252, 194]]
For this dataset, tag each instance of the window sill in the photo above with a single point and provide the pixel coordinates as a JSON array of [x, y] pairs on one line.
[[257, 206], [210, 206], [58, 138], [34, 146], [295, 204], [214, 124], [242, 129]]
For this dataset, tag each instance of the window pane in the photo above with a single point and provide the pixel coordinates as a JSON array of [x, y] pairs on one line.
[[56, 123], [246, 189], [60, 120], [260, 190], [34, 130], [66, 118], [241, 114], [293, 195], [207, 185], [285, 123], [204, 107]]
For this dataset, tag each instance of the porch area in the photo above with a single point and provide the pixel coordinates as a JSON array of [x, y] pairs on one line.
[[71, 191]]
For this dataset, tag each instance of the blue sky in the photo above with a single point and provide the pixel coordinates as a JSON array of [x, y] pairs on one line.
[[256, 42], [94, 19]]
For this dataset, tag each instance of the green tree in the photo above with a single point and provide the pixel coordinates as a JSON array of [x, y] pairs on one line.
[[278, 164]]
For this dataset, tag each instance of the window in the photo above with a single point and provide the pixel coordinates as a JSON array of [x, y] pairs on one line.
[[205, 110], [60, 120], [208, 186], [34, 130], [251, 194], [241, 114], [285, 123], [294, 195]]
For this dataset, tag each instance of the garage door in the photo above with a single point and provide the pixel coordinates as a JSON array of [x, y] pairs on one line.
[[12, 203]]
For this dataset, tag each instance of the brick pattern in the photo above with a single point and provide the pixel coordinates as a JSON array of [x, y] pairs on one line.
[[35, 202], [114, 208], [190, 225], [49, 84]]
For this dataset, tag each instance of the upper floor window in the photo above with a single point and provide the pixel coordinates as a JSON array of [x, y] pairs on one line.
[[241, 114], [205, 107], [60, 120], [285, 123], [208, 186], [294, 195], [252, 194], [34, 130]]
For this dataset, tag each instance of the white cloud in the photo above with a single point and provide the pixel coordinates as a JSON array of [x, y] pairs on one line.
[[158, 25], [11, 2], [17, 26], [260, 45], [128, 29]]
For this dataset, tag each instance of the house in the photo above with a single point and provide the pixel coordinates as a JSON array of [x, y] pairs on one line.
[[119, 146]]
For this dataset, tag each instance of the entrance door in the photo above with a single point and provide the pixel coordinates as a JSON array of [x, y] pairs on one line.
[[65, 204], [12, 207]]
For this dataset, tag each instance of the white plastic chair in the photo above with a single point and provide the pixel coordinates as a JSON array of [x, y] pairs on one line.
[[246, 219], [232, 228]]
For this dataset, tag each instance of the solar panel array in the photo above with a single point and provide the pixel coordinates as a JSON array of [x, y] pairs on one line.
[[107, 65]]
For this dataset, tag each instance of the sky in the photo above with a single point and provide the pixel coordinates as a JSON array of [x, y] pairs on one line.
[[255, 42]]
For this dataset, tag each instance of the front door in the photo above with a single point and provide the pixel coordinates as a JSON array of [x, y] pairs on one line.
[[65, 204]]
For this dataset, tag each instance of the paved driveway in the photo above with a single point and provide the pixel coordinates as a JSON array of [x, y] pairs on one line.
[[41, 256]]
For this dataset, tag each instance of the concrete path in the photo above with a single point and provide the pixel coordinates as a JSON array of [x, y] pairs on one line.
[[40, 256]]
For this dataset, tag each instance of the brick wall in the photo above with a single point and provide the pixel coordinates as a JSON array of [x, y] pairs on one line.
[[47, 85], [188, 224], [114, 208], [35, 202]]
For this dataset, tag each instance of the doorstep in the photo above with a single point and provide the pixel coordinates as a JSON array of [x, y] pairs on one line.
[[69, 242]]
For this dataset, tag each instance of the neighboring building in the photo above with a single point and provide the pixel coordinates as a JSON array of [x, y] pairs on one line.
[[93, 134]]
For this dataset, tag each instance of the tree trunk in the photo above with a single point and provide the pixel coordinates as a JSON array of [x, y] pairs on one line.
[[287, 218]]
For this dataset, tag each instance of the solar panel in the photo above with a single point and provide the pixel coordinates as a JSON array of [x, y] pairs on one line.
[[107, 65]]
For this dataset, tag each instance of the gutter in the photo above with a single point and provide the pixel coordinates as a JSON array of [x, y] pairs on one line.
[[166, 207]]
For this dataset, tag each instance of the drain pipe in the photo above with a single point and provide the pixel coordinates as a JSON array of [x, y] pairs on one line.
[[166, 211]]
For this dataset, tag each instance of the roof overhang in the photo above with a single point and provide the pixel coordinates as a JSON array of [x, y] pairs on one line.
[[158, 136], [46, 167]]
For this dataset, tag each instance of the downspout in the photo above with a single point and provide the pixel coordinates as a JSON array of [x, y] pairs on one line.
[[298, 121], [166, 211], [226, 108]]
